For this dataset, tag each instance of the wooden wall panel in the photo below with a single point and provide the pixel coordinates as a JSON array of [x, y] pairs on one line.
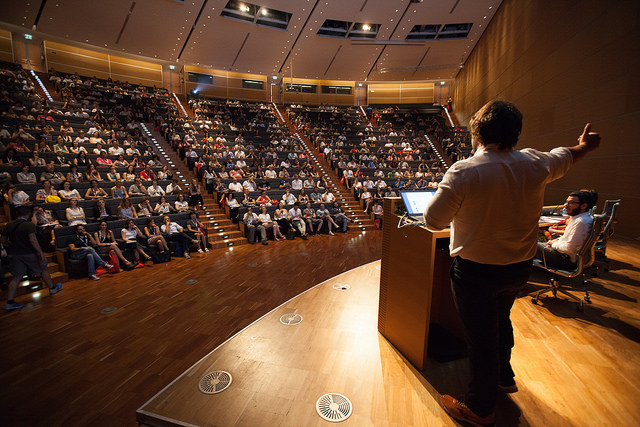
[[400, 93], [566, 63], [71, 59], [133, 71], [6, 49]]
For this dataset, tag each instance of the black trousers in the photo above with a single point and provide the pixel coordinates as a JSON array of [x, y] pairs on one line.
[[484, 295], [553, 258]]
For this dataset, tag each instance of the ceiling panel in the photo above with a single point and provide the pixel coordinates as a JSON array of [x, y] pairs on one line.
[[161, 29], [92, 22], [20, 12]]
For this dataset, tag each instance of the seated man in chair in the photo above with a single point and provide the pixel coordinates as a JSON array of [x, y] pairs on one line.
[[561, 252]]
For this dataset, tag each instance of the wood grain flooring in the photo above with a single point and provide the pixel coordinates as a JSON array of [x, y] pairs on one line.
[[65, 363]]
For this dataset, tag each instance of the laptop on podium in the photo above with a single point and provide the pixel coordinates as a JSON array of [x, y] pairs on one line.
[[416, 203]]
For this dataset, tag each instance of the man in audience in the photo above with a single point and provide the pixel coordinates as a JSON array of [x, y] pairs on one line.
[[314, 224], [26, 255], [494, 242], [562, 252], [296, 183], [235, 185], [297, 221], [81, 248], [176, 188], [324, 214], [270, 173], [339, 215], [249, 184], [253, 223], [315, 196], [137, 189], [288, 198]]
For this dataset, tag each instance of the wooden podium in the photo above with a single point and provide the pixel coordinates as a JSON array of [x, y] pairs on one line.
[[415, 289]]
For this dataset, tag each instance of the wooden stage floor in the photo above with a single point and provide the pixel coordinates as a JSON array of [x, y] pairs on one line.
[[66, 363]]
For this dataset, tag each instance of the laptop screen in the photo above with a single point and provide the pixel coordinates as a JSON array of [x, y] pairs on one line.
[[416, 201]]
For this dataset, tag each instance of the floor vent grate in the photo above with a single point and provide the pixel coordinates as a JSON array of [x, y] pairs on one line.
[[215, 382], [291, 319], [334, 407]]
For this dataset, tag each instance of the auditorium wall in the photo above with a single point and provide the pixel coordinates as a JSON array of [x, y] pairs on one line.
[[6, 48], [71, 59], [565, 63]]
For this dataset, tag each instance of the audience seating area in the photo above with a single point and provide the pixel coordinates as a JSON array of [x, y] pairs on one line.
[[226, 144]]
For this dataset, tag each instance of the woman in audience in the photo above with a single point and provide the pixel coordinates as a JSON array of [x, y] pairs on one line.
[[197, 231], [129, 233], [195, 195], [303, 197], [67, 193], [74, 175], [36, 160], [367, 199], [264, 199], [113, 174], [41, 146], [281, 216], [95, 192], [10, 157], [46, 191], [154, 235], [92, 173], [322, 184], [121, 162], [118, 191], [126, 209], [16, 197], [233, 204], [76, 148], [101, 213], [247, 200], [181, 204], [95, 138], [81, 160], [107, 244], [222, 173], [45, 223], [59, 146], [209, 175], [162, 207], [164, 174], [144, 208], [265, 218], [129, 174], [75, 214]]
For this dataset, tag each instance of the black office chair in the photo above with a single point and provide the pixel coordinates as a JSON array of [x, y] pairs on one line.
[[585, 258], [609, 211]]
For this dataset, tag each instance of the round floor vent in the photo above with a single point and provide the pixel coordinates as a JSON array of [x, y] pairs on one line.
[[334, 407], [291, 319], [215, 382], [341, 287]]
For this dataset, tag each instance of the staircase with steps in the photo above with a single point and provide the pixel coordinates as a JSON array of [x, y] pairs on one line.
[[351, 206], [34, 285], [221, 231]]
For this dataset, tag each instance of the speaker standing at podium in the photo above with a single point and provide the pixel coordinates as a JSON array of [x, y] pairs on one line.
[[493, 201]]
